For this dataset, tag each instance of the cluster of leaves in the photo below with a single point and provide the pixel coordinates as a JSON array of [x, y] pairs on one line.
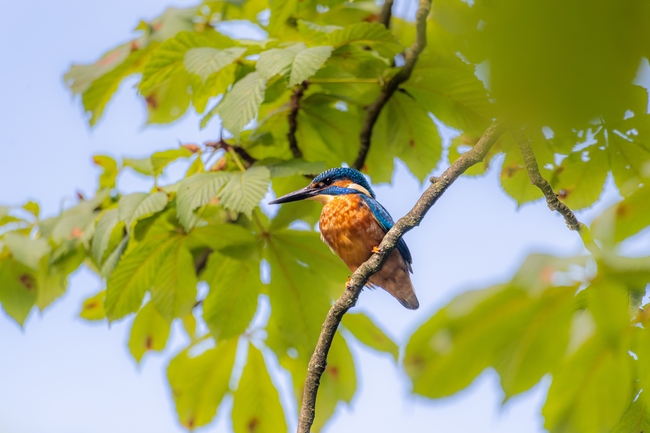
[[156, 249]]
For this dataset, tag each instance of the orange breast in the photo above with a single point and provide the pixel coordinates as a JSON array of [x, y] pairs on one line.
[[349, 228]]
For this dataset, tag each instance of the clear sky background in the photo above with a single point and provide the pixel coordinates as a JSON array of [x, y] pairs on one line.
[[64, 375]]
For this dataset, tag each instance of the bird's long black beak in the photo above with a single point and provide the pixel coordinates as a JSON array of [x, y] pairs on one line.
[[301, 194]]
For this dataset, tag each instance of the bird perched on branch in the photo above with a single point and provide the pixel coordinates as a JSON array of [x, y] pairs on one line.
[[353, 224]]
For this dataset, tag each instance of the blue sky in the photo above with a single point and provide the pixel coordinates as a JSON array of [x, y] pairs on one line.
[[63, 375]]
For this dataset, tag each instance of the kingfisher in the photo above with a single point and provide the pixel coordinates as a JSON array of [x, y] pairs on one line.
[[353, 224]]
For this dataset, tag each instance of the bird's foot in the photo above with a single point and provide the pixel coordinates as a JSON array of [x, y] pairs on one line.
[[376, 249]]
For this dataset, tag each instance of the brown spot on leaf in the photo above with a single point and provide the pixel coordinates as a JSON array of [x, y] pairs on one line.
[[334, 372], [372, 18], [510, 170], [152, 101], [411, 143], [109, 58], [76, 233], [149, 342], [252, 425], [621, 210], [80, 196], [547, 274], [559, 170], [27, 281], [190, 423], [91, 305], [563, 193]]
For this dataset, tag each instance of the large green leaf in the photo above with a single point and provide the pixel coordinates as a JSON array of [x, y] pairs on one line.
[[244, 191], [591, 390], [307, 62], [134, 275], [105, 226], [624, 219], [232, 301], [635, 420], [581, 176], [278, 60], [199, 383], [26, 250], [242, 103], [138, 205], [368, 333], [256, 407], [149, 332], [205, 61], [17, 289], [173, 290], [196, 191], [372, 35]]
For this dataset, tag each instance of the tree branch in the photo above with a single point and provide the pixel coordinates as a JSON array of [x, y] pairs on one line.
[[536, 179], [404, 74], [358, 280], [386, 12], [293, 118], [240, 151]]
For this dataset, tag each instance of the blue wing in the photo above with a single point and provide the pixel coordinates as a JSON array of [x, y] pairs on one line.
[[386, 222]]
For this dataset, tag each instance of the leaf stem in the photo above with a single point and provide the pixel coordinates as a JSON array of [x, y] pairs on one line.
[[234, 155], [344, 81], [348, 299], [404, 74]]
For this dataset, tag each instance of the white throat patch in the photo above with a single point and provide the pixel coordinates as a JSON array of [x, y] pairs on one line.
[[359, 188]]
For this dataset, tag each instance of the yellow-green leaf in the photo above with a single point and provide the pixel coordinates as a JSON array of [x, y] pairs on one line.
[[149, 332]]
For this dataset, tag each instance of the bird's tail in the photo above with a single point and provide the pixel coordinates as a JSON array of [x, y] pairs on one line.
[[406, 297], [395, 279]]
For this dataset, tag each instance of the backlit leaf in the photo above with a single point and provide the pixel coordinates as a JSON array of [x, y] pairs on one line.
[[149, 332], [241, 104], [93, 307], [368, 333], [138, 205], [196, 191], [232, 301], [581, 177], [244, 191], [307, 62], [160, 160], [103, 231], [205, 61], [256, 405], [17, 289], [200, 382]]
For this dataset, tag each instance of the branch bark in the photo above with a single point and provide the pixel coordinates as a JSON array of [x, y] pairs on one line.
[[404, 74], [386, 13], [538, 180], [297, 94], [348, 299]]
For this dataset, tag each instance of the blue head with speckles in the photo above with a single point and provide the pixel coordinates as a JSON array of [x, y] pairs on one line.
[[335, 181]]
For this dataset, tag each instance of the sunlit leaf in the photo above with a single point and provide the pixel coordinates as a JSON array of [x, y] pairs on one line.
[[17, 289], [93, 307], [161, 159], [242, 103], [307, 62], [205, 61], [232, 301], [26, 250], [109, 174], [199, 383], [138, 205], [149, 332], [368, 333], [244, 191], [581, 177], [103, 231], [256, 405]]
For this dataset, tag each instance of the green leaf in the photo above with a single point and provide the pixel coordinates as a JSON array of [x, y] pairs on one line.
[[93, 307], [26, 250], [173, 291], [244, 191], [169, 101], [624, 219], [141, 165], [199, 383], [581, 177], [256, 405], [374, 35], [591, 390], [113, 258], [160, 160], [404, 129], [17, 289], [278, 60], [134, 275], [196, 191], [80, 77], [293, 167], [170, 58], [97, 95], [635, 420], [307, 62], [205, 61], [242, 103], [102, 237], [449, 88], [149, 332], [110, 170], [138, 205], [232, 301], [368, 333], [52, 278], [33, 208], [220, 236], [302, 272], [608, 302]]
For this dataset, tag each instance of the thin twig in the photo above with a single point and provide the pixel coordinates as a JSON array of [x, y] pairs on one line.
[[359, 278], [293, 118], [386, 12], [404, 74], [538, 180], [240, 151]]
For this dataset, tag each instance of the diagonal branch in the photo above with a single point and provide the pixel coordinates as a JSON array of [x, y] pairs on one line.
[[349, 297], [386, 12], [404, 74], [297, 94], [536, 179]]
